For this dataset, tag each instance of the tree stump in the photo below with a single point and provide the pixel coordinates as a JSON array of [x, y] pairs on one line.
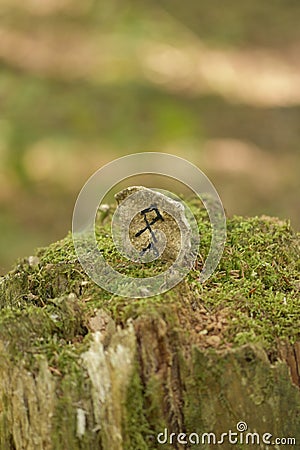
[[81, 368]]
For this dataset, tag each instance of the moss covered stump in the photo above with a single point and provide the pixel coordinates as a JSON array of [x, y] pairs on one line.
[[83, 369]]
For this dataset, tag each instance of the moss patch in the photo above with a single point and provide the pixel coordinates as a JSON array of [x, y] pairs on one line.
[[252, 297]]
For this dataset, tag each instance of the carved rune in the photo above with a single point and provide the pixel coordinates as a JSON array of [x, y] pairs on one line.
[[151, 245]]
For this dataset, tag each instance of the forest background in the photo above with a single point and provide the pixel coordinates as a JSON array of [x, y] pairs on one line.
[[82, 83]]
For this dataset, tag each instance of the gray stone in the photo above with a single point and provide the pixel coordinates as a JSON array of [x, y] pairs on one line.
[[157, 225]]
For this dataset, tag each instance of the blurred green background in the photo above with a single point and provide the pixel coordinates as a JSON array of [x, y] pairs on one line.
[[82, 83]]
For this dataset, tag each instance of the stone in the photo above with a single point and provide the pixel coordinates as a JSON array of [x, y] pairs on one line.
[[157, 214]]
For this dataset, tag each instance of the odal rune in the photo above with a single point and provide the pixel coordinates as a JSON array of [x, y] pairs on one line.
[[151, 245]]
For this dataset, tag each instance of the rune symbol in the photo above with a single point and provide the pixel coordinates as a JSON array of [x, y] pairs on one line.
[[151, 245]]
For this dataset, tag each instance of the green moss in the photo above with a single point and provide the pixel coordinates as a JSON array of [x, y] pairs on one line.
[[136, 429], [257, 281]]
